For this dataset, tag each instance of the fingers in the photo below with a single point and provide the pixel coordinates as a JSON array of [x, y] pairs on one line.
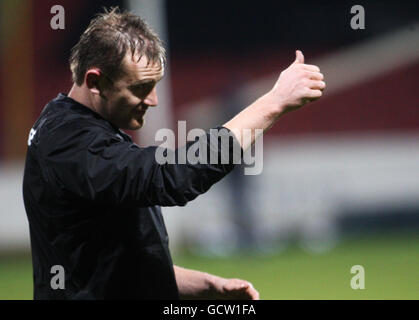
[[299, 57], [254, 295], [249, 292], [298, 84], [314, 75], [299, 60], [311, 67], [236, 284], [241, 289], [252, 292], [313, 94], [316, 84]]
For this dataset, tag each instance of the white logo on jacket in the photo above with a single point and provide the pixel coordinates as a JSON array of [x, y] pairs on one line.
[[31, 135]]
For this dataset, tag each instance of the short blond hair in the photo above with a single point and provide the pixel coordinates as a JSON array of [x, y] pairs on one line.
[[106, 41]]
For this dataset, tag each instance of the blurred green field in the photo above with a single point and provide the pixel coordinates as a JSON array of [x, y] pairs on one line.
[[391, 271]]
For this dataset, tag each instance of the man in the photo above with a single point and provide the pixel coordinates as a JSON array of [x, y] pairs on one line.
[[93, 197]]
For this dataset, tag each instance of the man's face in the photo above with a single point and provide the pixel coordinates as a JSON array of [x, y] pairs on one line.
[[125, 101]]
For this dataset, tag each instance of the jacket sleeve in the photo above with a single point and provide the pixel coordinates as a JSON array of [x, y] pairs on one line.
[[96, 165]]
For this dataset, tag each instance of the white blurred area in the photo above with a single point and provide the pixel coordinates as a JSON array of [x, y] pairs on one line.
[[305, 182], [311, 181], [14, 227], [308, 180]]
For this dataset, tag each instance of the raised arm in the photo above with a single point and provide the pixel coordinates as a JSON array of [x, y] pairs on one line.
[[112, 171], [297, 85]]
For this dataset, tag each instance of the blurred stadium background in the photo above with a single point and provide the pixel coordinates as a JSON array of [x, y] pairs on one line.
[[340, 180]]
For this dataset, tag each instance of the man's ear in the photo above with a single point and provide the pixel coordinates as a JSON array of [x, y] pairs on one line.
[[93, 80]]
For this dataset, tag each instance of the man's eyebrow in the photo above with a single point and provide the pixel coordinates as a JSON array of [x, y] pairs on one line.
[[142, 82], [146, 81]]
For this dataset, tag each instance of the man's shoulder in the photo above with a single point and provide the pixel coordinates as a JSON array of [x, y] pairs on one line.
[[63, 111], [62, 117]]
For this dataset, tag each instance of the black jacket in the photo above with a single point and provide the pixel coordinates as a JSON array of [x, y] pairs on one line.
[[92, 199]]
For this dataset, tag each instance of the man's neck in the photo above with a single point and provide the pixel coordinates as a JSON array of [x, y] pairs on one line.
[[78, 94]]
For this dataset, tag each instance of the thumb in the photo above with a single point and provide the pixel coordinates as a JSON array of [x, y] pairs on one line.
[[299, 58]]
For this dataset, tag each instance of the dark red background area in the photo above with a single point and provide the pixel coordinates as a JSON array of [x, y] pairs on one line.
[[203, 65], [389, 102]]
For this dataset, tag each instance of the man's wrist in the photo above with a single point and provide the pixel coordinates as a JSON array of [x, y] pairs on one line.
[[213, 285], [209, 283], [275, 106]]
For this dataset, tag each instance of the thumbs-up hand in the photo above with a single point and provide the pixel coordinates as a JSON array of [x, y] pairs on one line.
[[297, 85]]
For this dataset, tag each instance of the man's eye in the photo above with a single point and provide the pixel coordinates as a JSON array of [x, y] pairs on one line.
[[143, 89]]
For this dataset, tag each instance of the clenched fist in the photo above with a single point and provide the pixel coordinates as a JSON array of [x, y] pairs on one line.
[[297, 85]]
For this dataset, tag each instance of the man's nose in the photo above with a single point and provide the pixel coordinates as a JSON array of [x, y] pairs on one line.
[[152, 100]]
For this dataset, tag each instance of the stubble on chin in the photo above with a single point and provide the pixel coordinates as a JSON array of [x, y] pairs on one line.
[[139, 123]]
